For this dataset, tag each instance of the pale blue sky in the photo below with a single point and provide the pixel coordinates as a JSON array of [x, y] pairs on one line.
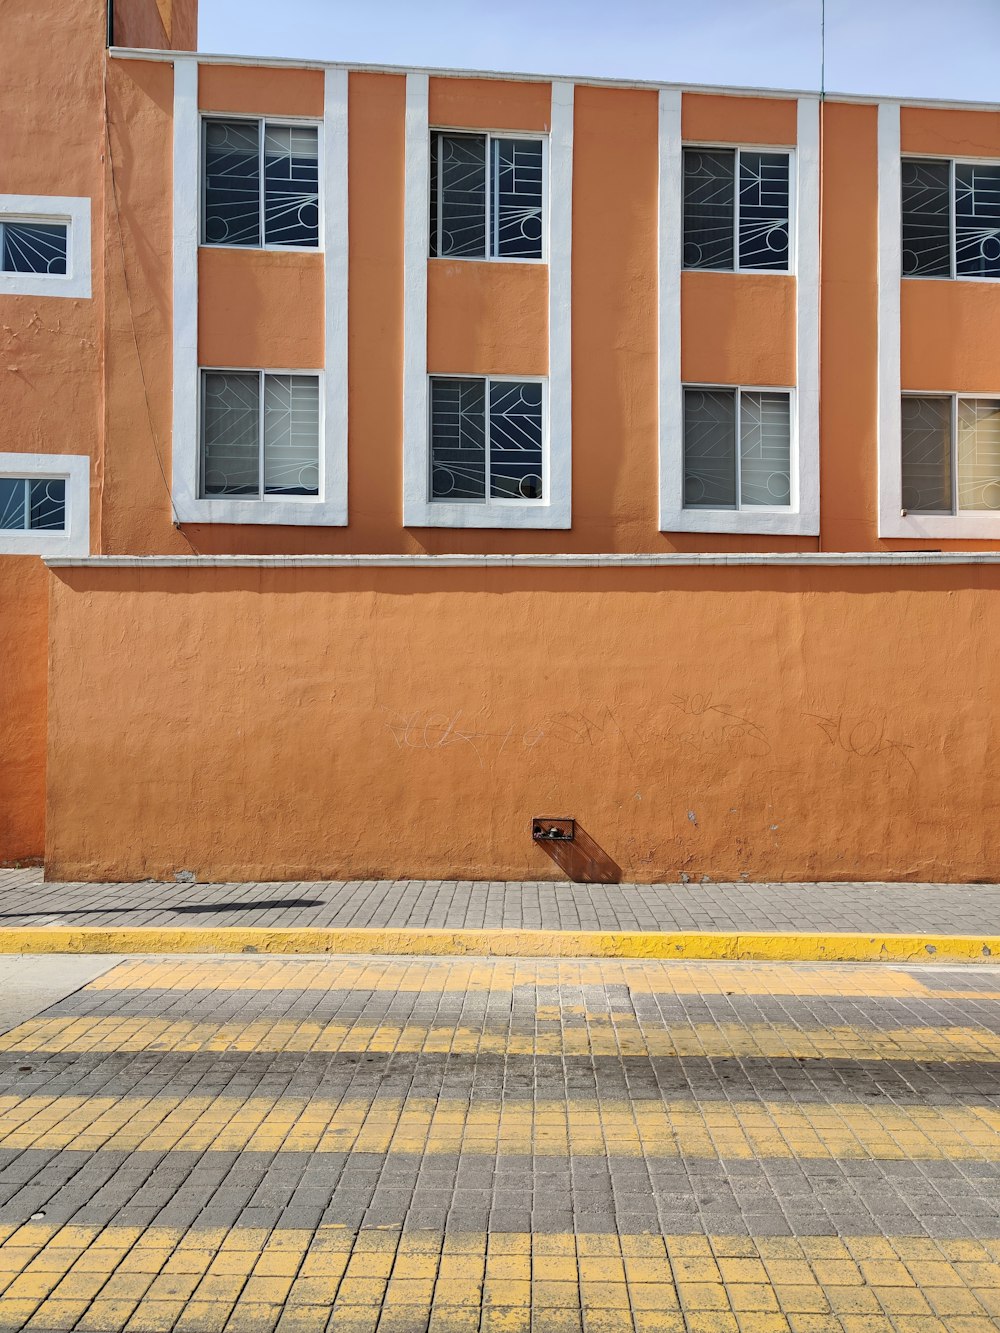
[[917, 48]]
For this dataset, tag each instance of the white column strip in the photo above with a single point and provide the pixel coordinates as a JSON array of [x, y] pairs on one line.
[[890, 270], [560, 434], [807, 233], [186, 166], [416, 248], [669, 259], [335, 244]]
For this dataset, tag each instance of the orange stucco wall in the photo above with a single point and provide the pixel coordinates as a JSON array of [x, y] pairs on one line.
[[486, 104], [950, 336], [359, 723], [487, 318], [260, 308], [707, 118], [737, 328], [249, 90], [170, 24]]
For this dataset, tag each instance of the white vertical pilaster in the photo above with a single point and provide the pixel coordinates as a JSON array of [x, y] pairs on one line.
[[186, 160], [669, 258], [807, 340], [560, 194], [335, 245], [416, 249], [890, 272]]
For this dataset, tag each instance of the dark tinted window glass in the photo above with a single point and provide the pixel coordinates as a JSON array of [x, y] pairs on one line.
[[12, 508], [34, 247], [47, 504], [517, 198], [458, 439], [291, 190], [516, 440], [458, 170], [927, 484], [764, 210], [977, 219], [709, 208], [926, 218], [710, 448], [232, 182], [231, 433]]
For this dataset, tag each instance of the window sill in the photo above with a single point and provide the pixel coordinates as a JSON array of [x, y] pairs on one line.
[[276, 513], [262, 249], [440, 514], [485, 259], [745, 522], [973, 525]]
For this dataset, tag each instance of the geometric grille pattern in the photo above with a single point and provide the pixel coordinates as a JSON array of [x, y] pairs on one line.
[[477, 453], [486, 197], [941, 442], [951, 218], [261, 182], [716, 220], [33, 247], [244, 446], [737, 449], [38, 505]]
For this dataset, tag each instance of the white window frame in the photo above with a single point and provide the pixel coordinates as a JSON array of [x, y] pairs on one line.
[[286, 510], [765, 513], [278, 122], [74, 470], [537, 136], [943, 522], [954, 275], [488, 501], [776, 149], [51, 210]]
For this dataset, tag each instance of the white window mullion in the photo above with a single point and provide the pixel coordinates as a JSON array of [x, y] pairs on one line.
[[736, 211], [439, 220], [954, 453], [490, 210], [486, 435], [739, 448], [261, 391], [261, 136], [27, 504], [953, 218]]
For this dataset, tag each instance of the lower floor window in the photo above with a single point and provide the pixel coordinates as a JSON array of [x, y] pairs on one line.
[[33, 247], [29, 504], [951, 453], [487, 439], [737, 448], [259, 434]]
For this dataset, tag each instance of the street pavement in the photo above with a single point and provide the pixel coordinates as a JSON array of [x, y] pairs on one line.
[[378, 1145], [928, 909]]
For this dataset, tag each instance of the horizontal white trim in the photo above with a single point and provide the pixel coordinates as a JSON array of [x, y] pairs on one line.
[[597, 561], [511, 76], [52, 209], [74, 469]]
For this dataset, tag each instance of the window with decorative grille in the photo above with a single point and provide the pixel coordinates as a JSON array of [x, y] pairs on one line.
[[487, 439], [261, 184], [487, 196], [737, 448], [736, 209]]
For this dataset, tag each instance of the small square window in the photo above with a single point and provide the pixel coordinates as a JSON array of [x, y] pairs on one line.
[[260, 435], [486, 195], [736, 209], [737, 448], [487, 440], [32, 504], [34, 247], [261, 184]]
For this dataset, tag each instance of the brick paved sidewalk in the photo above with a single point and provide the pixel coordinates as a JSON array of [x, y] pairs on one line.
[[947, 909]]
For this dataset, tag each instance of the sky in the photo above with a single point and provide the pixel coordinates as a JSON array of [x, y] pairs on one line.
[[911, 48]]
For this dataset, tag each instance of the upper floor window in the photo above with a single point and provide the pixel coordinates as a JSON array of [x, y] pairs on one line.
[[951, 454], [951, 218], [32, 504], [736, 209], [33, 246], [737, 448], [487, 440], [259, 434], [261, 184], [487, 196]]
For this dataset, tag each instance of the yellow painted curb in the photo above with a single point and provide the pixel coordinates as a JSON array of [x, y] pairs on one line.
[[748, 946]]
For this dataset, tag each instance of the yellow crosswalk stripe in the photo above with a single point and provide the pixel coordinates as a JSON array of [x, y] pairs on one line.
[[577, 1126], [240, 1278], [555, 1030], [469, 974]]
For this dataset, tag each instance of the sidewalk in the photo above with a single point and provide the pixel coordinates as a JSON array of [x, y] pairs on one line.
[[847, 922]]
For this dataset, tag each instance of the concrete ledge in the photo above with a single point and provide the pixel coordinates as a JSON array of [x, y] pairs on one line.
[[792, 946]]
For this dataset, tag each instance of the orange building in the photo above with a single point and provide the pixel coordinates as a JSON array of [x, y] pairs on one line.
[[390, 457]]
